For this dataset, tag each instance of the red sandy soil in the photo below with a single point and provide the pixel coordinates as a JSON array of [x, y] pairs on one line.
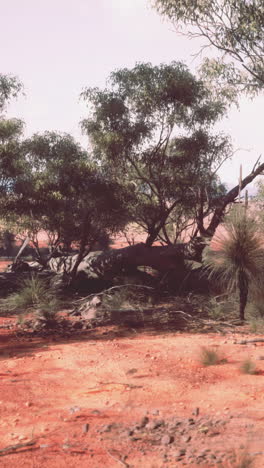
[[4, 264], [77, 398]]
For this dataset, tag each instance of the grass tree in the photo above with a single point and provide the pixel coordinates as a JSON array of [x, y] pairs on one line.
[[236, 255]]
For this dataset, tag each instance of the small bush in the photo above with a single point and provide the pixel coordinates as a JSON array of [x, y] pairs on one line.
[[210, 357], [34, 295], [248, 367], [240, 459], [222, 307], [257, 325]]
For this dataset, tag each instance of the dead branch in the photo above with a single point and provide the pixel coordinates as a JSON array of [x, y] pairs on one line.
[[257, 340], [118, 459], [13, 448]]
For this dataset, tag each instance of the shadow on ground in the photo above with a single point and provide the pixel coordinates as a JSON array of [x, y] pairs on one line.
[[15, 343]]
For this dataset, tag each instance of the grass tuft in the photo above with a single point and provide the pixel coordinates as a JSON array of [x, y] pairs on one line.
[[248, 367], [34, 295], [210, 357]]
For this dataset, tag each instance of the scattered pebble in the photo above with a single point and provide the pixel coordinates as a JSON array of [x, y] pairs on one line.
[[85, 428], [166, 439]]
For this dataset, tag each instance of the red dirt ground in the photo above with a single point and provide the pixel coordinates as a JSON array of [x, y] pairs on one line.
[[53, 388]]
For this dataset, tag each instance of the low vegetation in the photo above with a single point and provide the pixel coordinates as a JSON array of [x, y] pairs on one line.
[[211, 357], [35, 297], [248, 367]]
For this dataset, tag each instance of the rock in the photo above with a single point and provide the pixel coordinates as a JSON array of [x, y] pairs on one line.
[[191, 421], [186, 439], [180, 453], [166, 439], [131, 371], [106, 428], [74, 409], [85, 428], [152, 425], [144, 421]]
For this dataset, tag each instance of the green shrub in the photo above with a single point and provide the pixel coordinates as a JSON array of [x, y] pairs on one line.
[[210, 357], [34, 295], [248, 367]]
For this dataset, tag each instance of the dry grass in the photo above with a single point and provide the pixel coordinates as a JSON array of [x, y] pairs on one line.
[[210, 357], [248, 367]]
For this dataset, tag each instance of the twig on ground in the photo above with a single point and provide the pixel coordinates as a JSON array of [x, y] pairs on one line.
[[257, 340], [111, 289], [118, 459], [12, 448]]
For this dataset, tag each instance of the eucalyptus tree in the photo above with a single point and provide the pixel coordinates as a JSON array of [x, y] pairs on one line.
[[234, 28], [12, 163], [65, 195], [151, 129]]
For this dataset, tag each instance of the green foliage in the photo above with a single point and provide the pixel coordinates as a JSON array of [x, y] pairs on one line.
[[12, 162], [239, 247], [151, 130], [34, 296], [234, 28], [210, 357], [65, 195], [220, 309], [256, 325], [236, 256], [10, 87], [248, 367]]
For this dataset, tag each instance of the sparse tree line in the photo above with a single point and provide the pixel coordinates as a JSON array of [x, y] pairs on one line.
[[154, 155]]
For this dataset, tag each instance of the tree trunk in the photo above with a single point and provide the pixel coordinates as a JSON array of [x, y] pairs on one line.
[[97, 265], [243, 293]]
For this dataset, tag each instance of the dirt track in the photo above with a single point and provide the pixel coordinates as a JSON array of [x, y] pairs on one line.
[[82, 401]]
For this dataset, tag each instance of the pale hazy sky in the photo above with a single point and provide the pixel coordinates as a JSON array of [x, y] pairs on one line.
[[58, 47]]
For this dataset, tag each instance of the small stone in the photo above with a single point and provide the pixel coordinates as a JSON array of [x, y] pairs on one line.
[[144, 421], [28, 404], [106, 428], [85, 428], [131, 371], [166, 439], [186, 439], [191, 421], [21, 437], [155, 424], [180, 453], [74, 409]]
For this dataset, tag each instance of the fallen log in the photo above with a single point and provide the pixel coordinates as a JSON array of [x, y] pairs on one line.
[[105, 264]]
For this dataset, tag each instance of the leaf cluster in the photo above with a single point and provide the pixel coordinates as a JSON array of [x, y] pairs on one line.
[[235, 28], [238, 248]]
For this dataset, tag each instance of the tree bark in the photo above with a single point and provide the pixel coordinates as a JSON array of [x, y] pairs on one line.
[[197, 245], [243, 293], [97, 265]]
